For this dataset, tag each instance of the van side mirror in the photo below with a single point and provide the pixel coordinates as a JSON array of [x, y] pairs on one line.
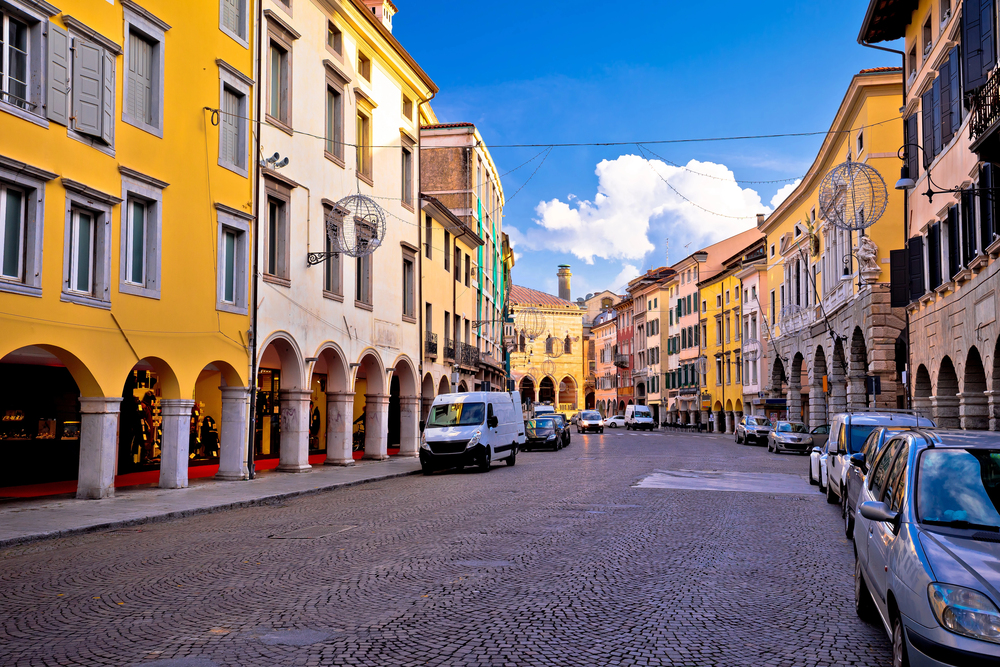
[[859, 461], [874, 511], [492, 421], [423, 425]]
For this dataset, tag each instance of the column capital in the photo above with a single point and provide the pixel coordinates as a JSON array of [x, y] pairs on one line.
[[340, 395], [176, 407], [294, 394], [377, 399], [234, 392], [99, 405]]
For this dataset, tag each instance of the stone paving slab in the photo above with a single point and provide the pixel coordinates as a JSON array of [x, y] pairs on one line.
[[715, 480], [30, 520]]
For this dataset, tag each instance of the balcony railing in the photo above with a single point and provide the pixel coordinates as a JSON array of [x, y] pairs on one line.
[[469, 355], [449, 349], [985, 108], [431, 344], [621, 360]]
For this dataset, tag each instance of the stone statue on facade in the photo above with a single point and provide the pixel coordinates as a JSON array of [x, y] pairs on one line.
[[867, 253]]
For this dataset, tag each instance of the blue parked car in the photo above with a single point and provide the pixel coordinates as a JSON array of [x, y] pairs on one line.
[[927, 547]]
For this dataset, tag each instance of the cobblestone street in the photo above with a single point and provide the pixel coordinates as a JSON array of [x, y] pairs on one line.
[[559, 560]]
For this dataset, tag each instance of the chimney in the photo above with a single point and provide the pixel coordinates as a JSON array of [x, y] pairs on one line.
[[564, 275], [760, 219], [383, 11]]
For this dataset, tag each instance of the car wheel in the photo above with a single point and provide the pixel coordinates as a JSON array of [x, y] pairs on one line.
[[864, 605], [484, 464], [426, 469], [899, 657], [602, 430], [613, 425], [512, 459], [769, 446], [848, 523], [812, 482], [831, 497]]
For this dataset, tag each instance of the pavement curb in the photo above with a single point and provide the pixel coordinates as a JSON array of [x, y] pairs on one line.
[[180, 514]]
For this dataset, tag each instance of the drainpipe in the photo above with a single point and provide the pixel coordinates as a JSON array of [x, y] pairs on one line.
[[906, 220], [252, 435]]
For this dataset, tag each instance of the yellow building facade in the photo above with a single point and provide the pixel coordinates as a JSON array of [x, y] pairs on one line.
[[125, 164], [721, 348], [830, 317], [547, 367]]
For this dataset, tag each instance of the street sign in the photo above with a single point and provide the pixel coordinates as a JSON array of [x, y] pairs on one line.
[[873, 385]]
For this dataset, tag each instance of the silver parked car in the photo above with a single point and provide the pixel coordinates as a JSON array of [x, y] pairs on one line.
[[789, 437], [752, 429], [856, 471], [927, 547]]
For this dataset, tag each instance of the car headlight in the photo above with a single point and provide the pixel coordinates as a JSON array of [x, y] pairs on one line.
[[965, 612], [551, 437], [474, 440], [423, 442]]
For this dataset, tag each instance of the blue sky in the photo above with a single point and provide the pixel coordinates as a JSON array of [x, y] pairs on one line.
[[539, 73]]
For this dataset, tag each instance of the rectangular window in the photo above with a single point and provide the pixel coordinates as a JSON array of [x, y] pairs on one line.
[[458, 264], [276, 237], [334, 122], [468, 271], [12, 240], [135, 243], [407, 176], [334, 38], [364, 154], [14, 69], [234, 261], [234, 19], [362, 280], [81, 268], [333, 273], [772, 306], [364, 67], [407, 108], [447, 251], [143, 81], [428, 236], [233, 130], [409, 291], [229, 266], [277, 103]]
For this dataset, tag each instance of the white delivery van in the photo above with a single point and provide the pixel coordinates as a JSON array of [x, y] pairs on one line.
[[638, 416], [474, 428], [542, 409]]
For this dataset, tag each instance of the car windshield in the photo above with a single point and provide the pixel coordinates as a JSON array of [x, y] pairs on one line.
[[541, 426], [456, 414], [559, 418], [590, 416], [757, 421], [785, 427], [858, 436], [959, 487]]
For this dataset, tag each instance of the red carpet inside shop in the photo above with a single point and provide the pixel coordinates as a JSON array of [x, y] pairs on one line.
[[147, 477]]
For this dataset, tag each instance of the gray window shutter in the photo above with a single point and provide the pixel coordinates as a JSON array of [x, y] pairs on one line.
[[915, 249], [140, 79], [927, 121], [912, 152], [231, 16], [987, 34], [956, 89], [88, 87], [231, 151], [899, 287], [987, 206], [936, 96], [948, 129], [57, 83], [108, 100]]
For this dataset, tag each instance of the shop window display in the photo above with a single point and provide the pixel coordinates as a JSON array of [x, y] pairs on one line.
[[267, 436], [140, 427]]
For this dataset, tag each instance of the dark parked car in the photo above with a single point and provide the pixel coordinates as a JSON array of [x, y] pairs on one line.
[[564, 424], [753, 429], [857, 470], [543, 432], [927, 547]]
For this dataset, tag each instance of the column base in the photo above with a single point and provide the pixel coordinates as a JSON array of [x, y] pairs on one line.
[[339, 462], [230, 477], [294, 467], [375, 457], [407, 455]]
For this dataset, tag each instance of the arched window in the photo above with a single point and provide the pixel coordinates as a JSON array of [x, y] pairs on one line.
[[522, 342], [567, 345], [549, 345]]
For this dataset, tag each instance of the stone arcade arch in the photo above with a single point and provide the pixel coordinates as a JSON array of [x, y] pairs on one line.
[[818, 410], [444, 386], [404, 408], [547, 390], [282, 420], [426, 396], [795, 395], [730, 422], [371, 406], [567, 393], [945, 400], [838, 379], [154, 428], [527, 389], [332, 407], [972, 401], [922, 390], [857, 371], [221, 400], [718, 418]]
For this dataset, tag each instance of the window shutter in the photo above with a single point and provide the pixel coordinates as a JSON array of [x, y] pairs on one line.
[[936, 97], [230, 15], [912, 153], [968, 226], [972, 65], [927, 120], [916, 267], [88, 87], [230, 125], [948, 129], [140, 79], [956, 90], [108, 100], [57, 93], [899, 287], [954, 242], [988, 57], [987, 206], [934, 255]]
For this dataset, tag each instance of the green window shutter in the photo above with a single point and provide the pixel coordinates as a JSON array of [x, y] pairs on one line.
[[57, 86], [88, 87]]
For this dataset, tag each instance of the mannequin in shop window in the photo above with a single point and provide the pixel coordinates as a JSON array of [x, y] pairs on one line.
[[313, 426], [148, 428]]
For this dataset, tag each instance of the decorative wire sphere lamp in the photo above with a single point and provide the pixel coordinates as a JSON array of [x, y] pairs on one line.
[[531, 322], [751, 350], [556, 346], [357, 227], [853, 196], [548, 367]]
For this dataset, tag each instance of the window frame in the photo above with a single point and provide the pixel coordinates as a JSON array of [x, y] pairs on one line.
[[22, 231], [280, 195], [150, 29], [407, 148], [110, 51], [36, 16], [277, 41], [409, 291], [334, 265], [241, 38], [238, 84], [239, 223], [31, 181], [80, 197], [336, 83], [363, 283], [363, 121], [137, 187], [337, 48]]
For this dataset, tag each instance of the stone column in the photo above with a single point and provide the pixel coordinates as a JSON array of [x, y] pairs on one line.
[[294, 448], [376, 427], [817, 406], [98, 447], [175, 446], [794, 401], [339, 428], [730, 422], [409, 431], [993, 410], [233, 436], [856, 392], [922, 404], [704, 418], [425, 407], [838, 393], [973, 409], [945, 411]]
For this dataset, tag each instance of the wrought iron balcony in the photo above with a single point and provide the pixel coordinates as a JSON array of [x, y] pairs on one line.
[[986, 117], [621, 360], [469, 355], [431, 344], [449, 349]]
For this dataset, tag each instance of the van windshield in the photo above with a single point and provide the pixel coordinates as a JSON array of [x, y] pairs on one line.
[[456, 414], [858, 436], [641, 413]]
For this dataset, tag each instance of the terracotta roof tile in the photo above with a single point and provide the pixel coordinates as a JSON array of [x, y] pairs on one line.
[[525, 296], [872, 70], [444, 126]]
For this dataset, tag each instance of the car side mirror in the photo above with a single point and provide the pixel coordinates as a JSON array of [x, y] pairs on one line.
[[422, 425], [858, 460], [492, 421], [875, 511]]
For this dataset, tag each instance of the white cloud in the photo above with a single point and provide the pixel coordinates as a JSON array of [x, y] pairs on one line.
[[632, 200], [783, 192], [628, 273]]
